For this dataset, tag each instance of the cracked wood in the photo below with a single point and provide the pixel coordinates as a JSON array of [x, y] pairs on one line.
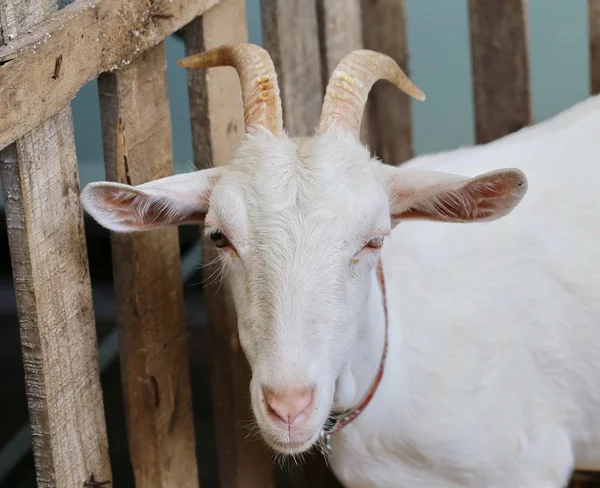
[[54, 298], [92, 36], [136, 129]]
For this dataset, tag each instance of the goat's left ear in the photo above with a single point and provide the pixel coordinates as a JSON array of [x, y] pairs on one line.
[[431, 195], [174, 200]]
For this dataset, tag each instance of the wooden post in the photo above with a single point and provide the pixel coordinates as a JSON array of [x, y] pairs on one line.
[[217, 123], [500, 67], [594, 27], [388, 109], [50, 269], [340, 33], [290, 34], [136, 130]]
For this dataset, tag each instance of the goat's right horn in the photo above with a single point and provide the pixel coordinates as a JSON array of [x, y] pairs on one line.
[[350, 84], [260, 90]]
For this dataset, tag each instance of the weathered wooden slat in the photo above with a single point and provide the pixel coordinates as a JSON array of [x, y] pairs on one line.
[[290, 34], [389, 133], [136, 130], [52, 283], [500, 67], [217, 124], [41, 71], [594, 28], [340, 32]]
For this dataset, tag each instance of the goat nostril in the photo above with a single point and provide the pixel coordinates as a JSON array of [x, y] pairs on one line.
[[288, 405]]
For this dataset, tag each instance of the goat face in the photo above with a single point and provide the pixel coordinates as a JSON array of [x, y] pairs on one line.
[[298, 225]]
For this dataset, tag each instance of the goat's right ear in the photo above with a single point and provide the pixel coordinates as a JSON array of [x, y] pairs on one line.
[[174, 200]]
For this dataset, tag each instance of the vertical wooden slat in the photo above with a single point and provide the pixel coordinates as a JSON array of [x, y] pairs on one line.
[[389, 110], [136, 131], [340, 33], [217, 123], [50, 269], [500, 67], [594, 28], [290, 34]]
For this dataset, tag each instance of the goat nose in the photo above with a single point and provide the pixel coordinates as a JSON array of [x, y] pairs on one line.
[[288, 405]]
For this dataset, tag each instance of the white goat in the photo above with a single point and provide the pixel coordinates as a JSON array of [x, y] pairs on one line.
[[492, 372]]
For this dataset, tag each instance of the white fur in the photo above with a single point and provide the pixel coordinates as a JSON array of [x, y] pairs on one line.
[[492, 377]]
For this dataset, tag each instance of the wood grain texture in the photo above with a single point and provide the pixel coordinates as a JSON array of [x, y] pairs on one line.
[[217, 124], [40, 183], [389, 133], [594, 29], [136, 130], [92, 36], [340, 33], [500, 67], [290, 34]]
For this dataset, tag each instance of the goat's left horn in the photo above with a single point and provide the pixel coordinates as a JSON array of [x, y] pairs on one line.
[[350, 84], [260, 90]]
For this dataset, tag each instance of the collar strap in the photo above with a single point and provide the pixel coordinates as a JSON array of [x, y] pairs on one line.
[[340, 420]]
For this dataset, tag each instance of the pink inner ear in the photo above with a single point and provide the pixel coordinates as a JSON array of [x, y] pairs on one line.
[[173, 200], [118, 200], [485, 197]]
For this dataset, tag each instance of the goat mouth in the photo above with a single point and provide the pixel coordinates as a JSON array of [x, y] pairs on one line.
[[292, 446]]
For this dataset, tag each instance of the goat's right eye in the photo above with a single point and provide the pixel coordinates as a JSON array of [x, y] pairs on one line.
[[219, 239]]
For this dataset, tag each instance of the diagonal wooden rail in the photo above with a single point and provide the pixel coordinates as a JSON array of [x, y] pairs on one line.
[[74, 46]]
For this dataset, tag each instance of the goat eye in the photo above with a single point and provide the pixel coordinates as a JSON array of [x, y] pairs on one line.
[[375, 243], [219, 239]]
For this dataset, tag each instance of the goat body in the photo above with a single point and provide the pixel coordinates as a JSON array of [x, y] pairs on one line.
[[493, 371]]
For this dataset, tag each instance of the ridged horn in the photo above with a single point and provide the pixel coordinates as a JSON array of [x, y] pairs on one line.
[[350, 84], [260, 90]]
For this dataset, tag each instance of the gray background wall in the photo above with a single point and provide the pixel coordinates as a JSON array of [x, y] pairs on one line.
[[440, 64]]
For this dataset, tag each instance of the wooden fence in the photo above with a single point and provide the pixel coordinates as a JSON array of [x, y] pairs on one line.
[[47, 56]]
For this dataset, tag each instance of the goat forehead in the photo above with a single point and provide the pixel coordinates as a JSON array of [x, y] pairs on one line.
[[292, 200], [313, 179], [314, 164]]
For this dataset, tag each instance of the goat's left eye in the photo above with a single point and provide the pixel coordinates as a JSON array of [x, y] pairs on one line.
[[219, 239], [375, 243]]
